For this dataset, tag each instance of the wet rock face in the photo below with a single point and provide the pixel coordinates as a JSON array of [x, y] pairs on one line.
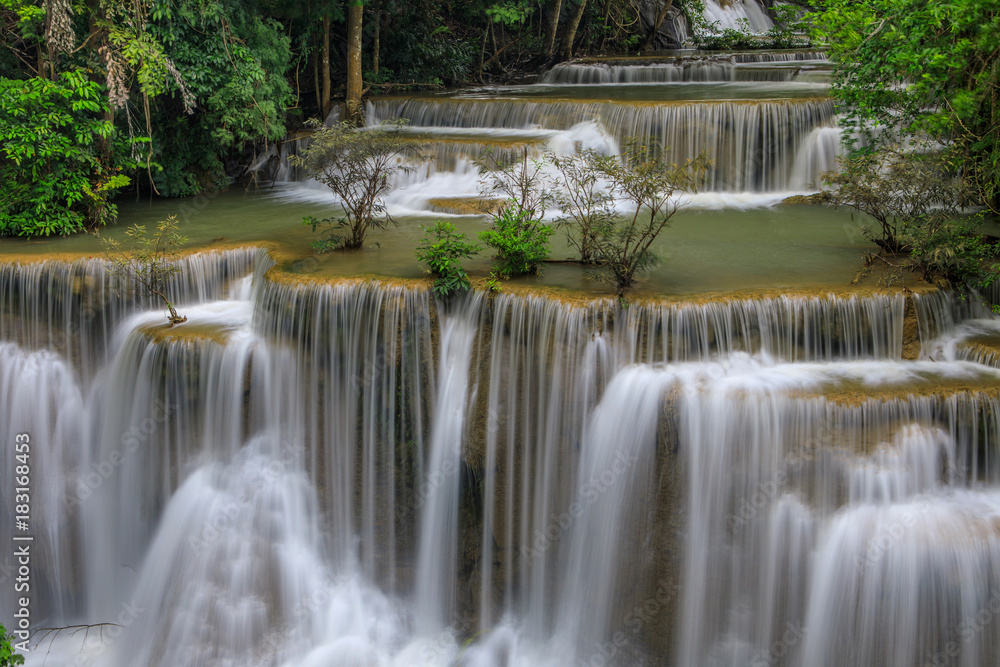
[[673, 30]]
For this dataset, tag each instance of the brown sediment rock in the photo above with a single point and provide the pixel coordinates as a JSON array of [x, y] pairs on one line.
[[813, 199], [465, 205], [849, 394], [192, 332], [911, 331]]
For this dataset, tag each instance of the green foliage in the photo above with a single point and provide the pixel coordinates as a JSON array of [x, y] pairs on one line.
[[420, 45], [789, 30], [493, 285], [233, 62], [146, 265], [61, 157], [906, 68], [7, 656], [441, 249], [953, 249], [510, 13], [358, 166], [521, 241], [519, 237]]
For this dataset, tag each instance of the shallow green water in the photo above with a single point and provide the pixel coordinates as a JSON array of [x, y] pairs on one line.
[[782, 247]]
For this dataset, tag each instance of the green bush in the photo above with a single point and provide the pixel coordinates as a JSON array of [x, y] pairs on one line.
[[521, 241], [952, 249], [7, 656], [441, 249], [60, 159]]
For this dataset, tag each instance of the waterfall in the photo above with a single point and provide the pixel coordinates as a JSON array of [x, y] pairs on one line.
[[714, 70], [774, 477], [597, 73], [616, 474], [308, 473], [818, 154], [435, 592], [731, 14], [751, 146]]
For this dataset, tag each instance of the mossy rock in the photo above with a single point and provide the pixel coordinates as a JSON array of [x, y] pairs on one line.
[[817, 198]]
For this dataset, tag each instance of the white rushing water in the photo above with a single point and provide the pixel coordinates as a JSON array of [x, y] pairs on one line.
[[351, 475], [762, 120], [739, 15]]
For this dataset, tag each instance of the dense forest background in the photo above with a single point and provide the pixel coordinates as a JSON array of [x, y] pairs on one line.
[[187, 92], [177, 97]]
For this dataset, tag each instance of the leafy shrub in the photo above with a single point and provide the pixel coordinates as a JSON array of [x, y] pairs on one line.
[[917, 200], [952, 249], [899, 190], [358, 166], [521, 241], [649, 186], [440, 249], [7, 656], [60, 158], [588, 209], [789, 30]]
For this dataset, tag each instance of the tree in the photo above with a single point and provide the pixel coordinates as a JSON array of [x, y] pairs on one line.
[[585, 201], [569, 34], [898, 189], [146, 266], [910, 69], [355, 15], [650, 187], [441, 249], [358, 166], [661, 15], [7, 656], [62, 158], [551, 27], [916, 199]]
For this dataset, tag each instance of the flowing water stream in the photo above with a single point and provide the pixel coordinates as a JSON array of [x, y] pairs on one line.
[[348, 472]]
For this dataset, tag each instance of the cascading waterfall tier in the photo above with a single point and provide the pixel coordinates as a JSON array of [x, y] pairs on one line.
[[308, 473], [679, 70], [751, 146]]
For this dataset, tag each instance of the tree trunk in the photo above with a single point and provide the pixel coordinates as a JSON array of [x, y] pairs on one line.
[[566, 49], [656, 25], [551, 26], [355, 14], [317, 89], [324, 75], [376, 46]]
